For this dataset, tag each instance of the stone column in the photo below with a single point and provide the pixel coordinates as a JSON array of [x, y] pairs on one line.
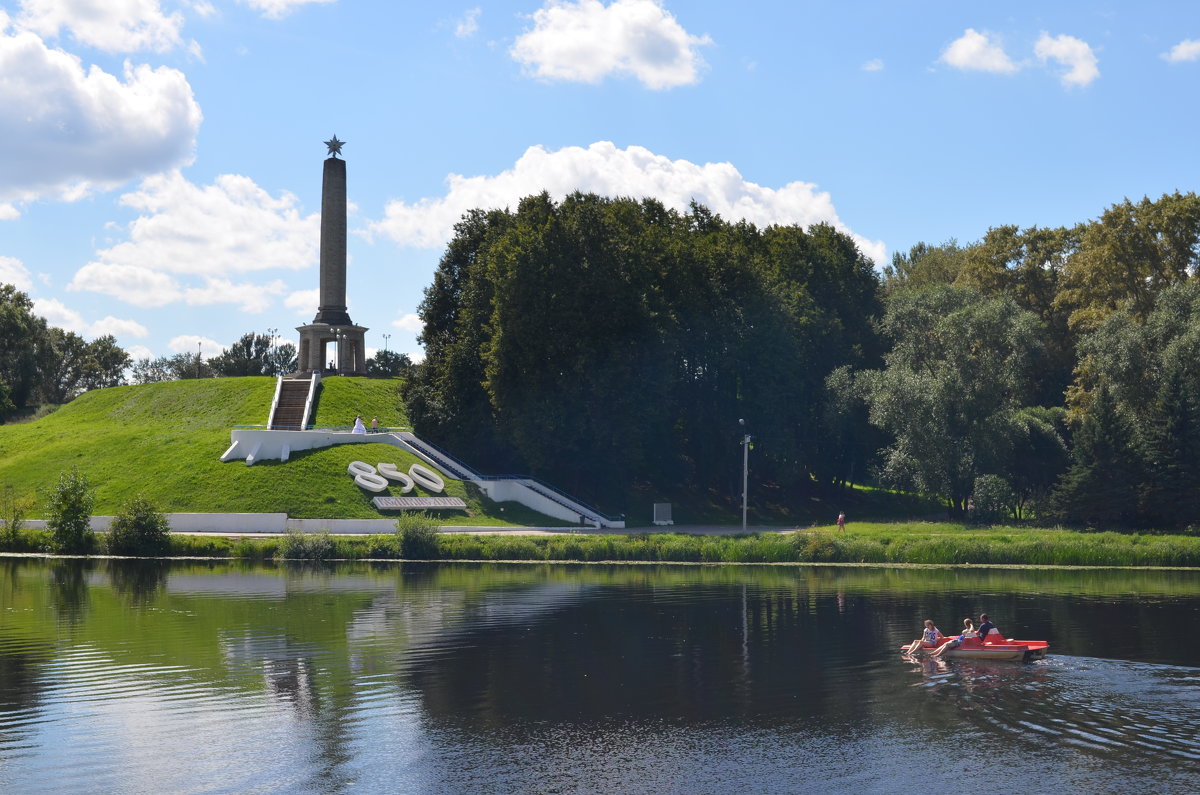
[[332, 308]]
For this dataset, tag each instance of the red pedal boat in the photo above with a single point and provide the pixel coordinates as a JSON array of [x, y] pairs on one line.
[[1000, 649]]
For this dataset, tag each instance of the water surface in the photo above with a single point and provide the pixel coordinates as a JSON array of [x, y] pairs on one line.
[[225, 677]]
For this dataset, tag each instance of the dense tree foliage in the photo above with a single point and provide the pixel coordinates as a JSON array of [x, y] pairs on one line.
[[255, 354], [40, 363], [958, 374], [607, 341], [1037, 371], [390, 364]]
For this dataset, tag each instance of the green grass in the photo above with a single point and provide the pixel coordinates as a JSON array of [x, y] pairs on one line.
[[936, 544], [164, 442]]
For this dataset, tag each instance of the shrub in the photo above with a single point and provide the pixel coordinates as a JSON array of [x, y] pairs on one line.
[[418, 537], [139, 529], [69, 508], [298, 545], [12, 515], [994, 499]]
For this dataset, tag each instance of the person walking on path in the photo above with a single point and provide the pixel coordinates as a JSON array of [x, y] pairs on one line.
[[358, 425], [374, 425]]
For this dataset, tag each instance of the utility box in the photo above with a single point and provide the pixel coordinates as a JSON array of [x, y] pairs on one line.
[[662, 514]]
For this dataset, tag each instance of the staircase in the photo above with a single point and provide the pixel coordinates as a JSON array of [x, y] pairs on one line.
[[289, 407]]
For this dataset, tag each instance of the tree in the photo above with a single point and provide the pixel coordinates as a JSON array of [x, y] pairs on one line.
[[1100, 488], [248, 356], [281, 360], [62, 362], [22, 336], [390, 364], [959, 370], [139, 529], [1129, 255], [609, 342], [151, 371], [69, 508], [105, 363]]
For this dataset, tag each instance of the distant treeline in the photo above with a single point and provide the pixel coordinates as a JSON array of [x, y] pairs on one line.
[[1037, 372], [41, 364]]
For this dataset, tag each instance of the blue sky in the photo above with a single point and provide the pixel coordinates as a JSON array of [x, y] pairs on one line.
[[161, 168]]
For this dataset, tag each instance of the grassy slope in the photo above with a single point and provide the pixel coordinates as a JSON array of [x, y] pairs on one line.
[[164, 441]]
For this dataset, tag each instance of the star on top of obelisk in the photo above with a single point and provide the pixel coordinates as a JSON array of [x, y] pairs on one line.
[[335, 146]]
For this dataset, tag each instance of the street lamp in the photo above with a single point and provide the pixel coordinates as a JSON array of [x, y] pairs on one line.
[[386, 337], [271, 351], [337, 348], [198, 349], [745, 469]]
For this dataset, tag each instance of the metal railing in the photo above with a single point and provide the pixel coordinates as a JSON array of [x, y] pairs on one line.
[[327, 428]]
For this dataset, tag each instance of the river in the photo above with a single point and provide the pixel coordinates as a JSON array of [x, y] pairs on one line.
[[222, 677]]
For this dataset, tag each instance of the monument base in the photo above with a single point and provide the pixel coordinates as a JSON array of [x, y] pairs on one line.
[[349, 353]]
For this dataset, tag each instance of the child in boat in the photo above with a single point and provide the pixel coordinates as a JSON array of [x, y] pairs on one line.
[[952, 643], [929, 639]]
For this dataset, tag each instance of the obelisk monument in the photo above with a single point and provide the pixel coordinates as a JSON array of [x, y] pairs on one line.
[[332, 322]]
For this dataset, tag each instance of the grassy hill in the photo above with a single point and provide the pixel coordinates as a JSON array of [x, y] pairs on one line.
[[164, 441]]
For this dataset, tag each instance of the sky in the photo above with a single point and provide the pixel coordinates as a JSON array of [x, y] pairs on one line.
[[160, 160]]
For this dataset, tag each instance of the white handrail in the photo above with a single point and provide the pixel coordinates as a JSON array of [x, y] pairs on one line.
[[275, 401], [312, 394]]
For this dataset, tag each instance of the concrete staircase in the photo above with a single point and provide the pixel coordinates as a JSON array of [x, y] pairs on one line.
[[290, 405]]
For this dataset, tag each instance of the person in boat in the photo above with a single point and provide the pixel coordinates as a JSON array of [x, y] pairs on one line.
[[930, 638], [955, 642], [986, 627]]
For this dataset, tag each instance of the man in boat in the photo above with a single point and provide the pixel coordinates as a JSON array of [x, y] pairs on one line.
[[986, 627]]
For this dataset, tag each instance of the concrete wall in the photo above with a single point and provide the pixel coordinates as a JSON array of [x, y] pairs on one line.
[[519, 491], [253, 444]]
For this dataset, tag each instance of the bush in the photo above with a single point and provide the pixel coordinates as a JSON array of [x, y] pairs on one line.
[[994, 499], [418, 537], [69, 508], [12, 515], [298, 545], [139, 529]]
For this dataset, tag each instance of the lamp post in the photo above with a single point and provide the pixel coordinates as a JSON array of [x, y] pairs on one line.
[[271, 351], [199, 346], [745, 469], [337, 348], [386, 337]]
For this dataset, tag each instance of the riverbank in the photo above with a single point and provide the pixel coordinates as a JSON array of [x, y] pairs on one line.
[[901, 543]]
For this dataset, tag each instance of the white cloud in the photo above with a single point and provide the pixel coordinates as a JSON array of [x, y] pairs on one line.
[[1186, 50], [604, 169], [132, 284], [67, 130], [278, 9], [250, 297], [409, 322], [1072, 53], [304, 301], [468, 26], [108, 25], [137, 352], [58, 314], [186, 343], [586, 41], [230, 226], [203, 8], [191, 238], [873, 65], [118, 327], [974, 51], [14, 272], [8, 212]]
